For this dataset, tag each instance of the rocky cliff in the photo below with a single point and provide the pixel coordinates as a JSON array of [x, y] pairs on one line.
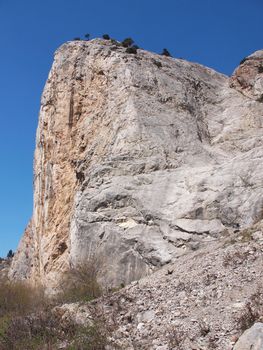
[[140, 159]]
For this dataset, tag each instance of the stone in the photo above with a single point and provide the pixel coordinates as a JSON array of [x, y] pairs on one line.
[[136, 165], [248, 77], [257, 236], [146, 316], [251, 338]]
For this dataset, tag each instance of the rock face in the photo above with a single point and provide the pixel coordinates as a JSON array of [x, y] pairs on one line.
[[251, 339], [4, 268], [139, 159], [248, 77]]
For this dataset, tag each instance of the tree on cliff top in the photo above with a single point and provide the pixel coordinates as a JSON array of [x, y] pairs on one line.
[[127, 42], [10, 254], [166, 53]]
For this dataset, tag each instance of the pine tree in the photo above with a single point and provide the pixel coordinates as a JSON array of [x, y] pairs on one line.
[[166, 53], [10, 254], [127, 42], [106, 36]]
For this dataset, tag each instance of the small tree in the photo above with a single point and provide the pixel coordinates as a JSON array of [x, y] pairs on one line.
[[166, 53], [10, 254], [127, 42], [132, 49], [106, 36], [80, 283], [87, 36]]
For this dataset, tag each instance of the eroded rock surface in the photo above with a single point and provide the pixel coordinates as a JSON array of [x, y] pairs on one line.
[[139, 159], [248, 77], [251, 339]]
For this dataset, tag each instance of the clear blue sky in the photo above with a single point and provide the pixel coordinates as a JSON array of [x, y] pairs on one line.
[[215, 33]]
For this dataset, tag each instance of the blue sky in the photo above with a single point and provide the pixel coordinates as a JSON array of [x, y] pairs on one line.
[[215, 33]]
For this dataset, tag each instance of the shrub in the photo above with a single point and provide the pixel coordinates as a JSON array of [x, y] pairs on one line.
[[80, 283], [76, 39], [10, 254], [44, 330], [132, 49], [19, 298], [106, 36], [87, 36], [93, 337], [165, 52], [260, 69], [28, 320], [29, 332], [127, 42]]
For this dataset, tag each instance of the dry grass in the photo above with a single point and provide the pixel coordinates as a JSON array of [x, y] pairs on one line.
[[80, 284], [28, 320], [18, 298]]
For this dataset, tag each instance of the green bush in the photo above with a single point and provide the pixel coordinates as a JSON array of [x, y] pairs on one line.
[[127, 42], [132, 49], [10, 254], [106, 36], [165, 52]]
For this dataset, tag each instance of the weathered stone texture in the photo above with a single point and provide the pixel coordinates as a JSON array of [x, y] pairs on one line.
[[251, 339], [248, 77]]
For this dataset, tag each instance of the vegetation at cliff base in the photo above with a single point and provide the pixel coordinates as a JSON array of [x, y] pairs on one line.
[[80, 284], [30, 320]]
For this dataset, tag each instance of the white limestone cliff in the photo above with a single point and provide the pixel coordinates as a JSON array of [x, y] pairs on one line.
[[140, 159]]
